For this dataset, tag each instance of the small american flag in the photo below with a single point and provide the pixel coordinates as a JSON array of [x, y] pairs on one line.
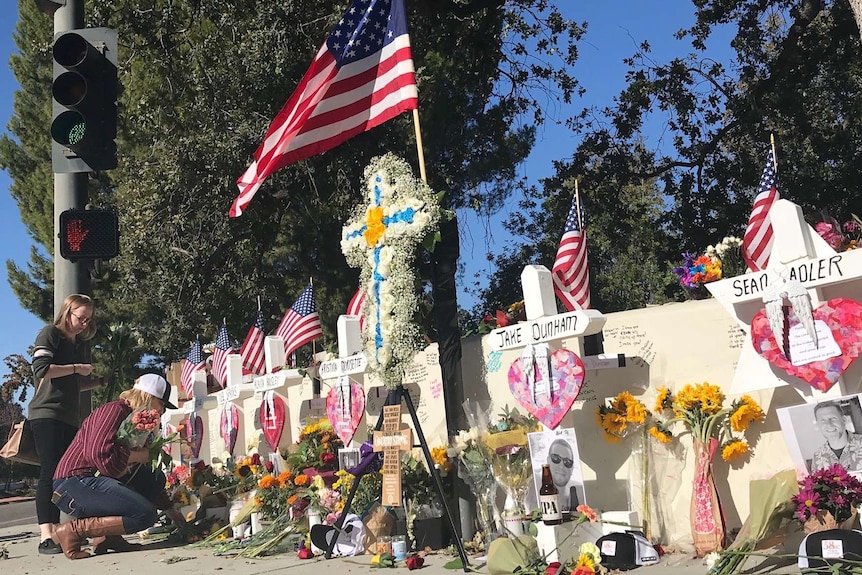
[[193, 362], [757, 241], [252, 348], [223, 347], [570, 274], [361, 77], [300, 324], [355, 306]]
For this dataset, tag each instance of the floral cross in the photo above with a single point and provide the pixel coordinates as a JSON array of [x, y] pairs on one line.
[[381, 239]]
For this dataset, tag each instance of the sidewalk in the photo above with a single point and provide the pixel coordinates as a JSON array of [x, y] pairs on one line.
[[159, 557]]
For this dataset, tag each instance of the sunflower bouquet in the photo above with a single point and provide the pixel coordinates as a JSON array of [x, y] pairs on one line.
[[624, 414], [701, 408]]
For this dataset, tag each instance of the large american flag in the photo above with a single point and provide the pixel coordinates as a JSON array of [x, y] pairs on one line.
[[757, 241], [193, 362], [223, 347], [300, 324], [361, 77], [570, 274], [355, 306], [252, 348]]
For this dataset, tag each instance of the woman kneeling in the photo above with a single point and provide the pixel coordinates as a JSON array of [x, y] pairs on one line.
[[86, 485]]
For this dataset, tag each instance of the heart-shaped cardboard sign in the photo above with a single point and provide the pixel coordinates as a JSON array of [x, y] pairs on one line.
[[169, 429], [195, 434], [842, 316], [272, 421], [344, 408], [567, 371], [229, 426]]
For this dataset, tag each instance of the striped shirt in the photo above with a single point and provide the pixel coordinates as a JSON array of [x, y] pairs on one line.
[[94, 449]]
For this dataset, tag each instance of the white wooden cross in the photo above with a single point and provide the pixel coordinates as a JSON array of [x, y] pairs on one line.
[[544, 325], [350, 365], [800, 254]]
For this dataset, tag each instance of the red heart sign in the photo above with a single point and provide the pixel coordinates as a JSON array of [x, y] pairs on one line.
[[272, 421], [195, 433], [842, 316], [229, 426], [567, 370], [345, 424]]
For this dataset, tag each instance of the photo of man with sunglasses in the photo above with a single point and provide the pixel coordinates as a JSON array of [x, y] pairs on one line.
[[559, 451]]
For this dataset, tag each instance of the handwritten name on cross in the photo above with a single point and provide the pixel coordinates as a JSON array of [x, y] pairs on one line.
[[382, 240], [801, 255], [392, 440]]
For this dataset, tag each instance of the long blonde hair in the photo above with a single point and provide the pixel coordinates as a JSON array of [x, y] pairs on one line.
[[137, 399], [71, 302]]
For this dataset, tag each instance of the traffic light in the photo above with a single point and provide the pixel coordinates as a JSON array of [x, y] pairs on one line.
[[84, 126], [89, 235]]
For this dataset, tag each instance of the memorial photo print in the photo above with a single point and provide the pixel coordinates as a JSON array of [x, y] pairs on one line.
[[821, 434], [559, 450]]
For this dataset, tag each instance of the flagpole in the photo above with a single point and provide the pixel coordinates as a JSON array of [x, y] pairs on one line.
[[258, 303], [774, 155], [578, 205], [419, 149]]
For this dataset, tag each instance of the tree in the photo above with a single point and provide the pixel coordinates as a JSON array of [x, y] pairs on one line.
[[200, 83], [18, 380], [796, 74]]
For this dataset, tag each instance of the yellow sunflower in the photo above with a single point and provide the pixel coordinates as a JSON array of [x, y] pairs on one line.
[[734, 449], [746, 411]]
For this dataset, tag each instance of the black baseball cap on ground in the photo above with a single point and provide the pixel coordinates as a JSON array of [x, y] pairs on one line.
[[821, 551], [626, 551]]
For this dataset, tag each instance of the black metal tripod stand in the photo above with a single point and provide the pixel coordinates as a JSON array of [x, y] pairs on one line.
[[394, 398]]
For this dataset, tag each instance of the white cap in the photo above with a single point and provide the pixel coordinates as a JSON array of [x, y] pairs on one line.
[[156, 386]]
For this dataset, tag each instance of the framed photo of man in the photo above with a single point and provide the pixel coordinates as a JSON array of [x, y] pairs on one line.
[[559, 450], [818, 435]]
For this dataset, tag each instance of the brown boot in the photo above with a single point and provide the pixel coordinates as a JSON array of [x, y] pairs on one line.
[[116, 543], [71, 534]]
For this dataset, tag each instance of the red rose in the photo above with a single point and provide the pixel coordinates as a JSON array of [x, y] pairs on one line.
[[305, 553], [554, 568], [415, 562], [255, 459], [269, 466]]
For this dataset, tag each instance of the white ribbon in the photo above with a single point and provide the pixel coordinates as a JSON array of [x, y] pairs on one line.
[[535, 358], [269, 398]]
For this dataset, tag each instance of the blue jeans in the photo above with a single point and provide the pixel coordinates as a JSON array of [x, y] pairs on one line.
[[85, 496]]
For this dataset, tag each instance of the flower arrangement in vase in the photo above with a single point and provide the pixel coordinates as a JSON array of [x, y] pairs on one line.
[[700, 407], [828, 499]]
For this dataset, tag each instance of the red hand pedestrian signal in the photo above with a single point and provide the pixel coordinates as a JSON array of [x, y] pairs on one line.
[[75, 234], [89, 234]]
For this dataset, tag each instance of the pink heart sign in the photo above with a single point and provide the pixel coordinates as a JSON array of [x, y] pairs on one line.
[[567, 371], [229, 426], [272, 421], [842, 316], [195, 434], [344, 408]]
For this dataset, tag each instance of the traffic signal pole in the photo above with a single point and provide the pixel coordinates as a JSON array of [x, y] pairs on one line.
[[70, 189]]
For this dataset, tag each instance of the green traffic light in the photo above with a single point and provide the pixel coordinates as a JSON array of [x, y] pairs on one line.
[[69, 128]]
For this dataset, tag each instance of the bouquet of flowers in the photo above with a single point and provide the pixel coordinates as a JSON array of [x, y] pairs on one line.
[[841, 237], [624, 414], [830, 491], [723, 260], [513, 314], [701, 408], [140, 429], [316, 448]]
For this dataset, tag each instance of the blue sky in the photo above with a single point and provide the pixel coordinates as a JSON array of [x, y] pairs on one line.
[[615, 28]]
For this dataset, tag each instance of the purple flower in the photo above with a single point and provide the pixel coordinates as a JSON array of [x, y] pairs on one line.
[[851, 227], [509, 449], [806, 504]]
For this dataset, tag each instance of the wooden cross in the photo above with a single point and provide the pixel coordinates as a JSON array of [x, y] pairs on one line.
[[392, 441]]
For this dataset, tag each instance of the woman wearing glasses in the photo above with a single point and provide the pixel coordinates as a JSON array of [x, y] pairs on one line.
[[61, 365], [561, 461]]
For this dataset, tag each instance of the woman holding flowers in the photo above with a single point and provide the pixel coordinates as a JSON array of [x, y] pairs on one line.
[[86, 485]]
